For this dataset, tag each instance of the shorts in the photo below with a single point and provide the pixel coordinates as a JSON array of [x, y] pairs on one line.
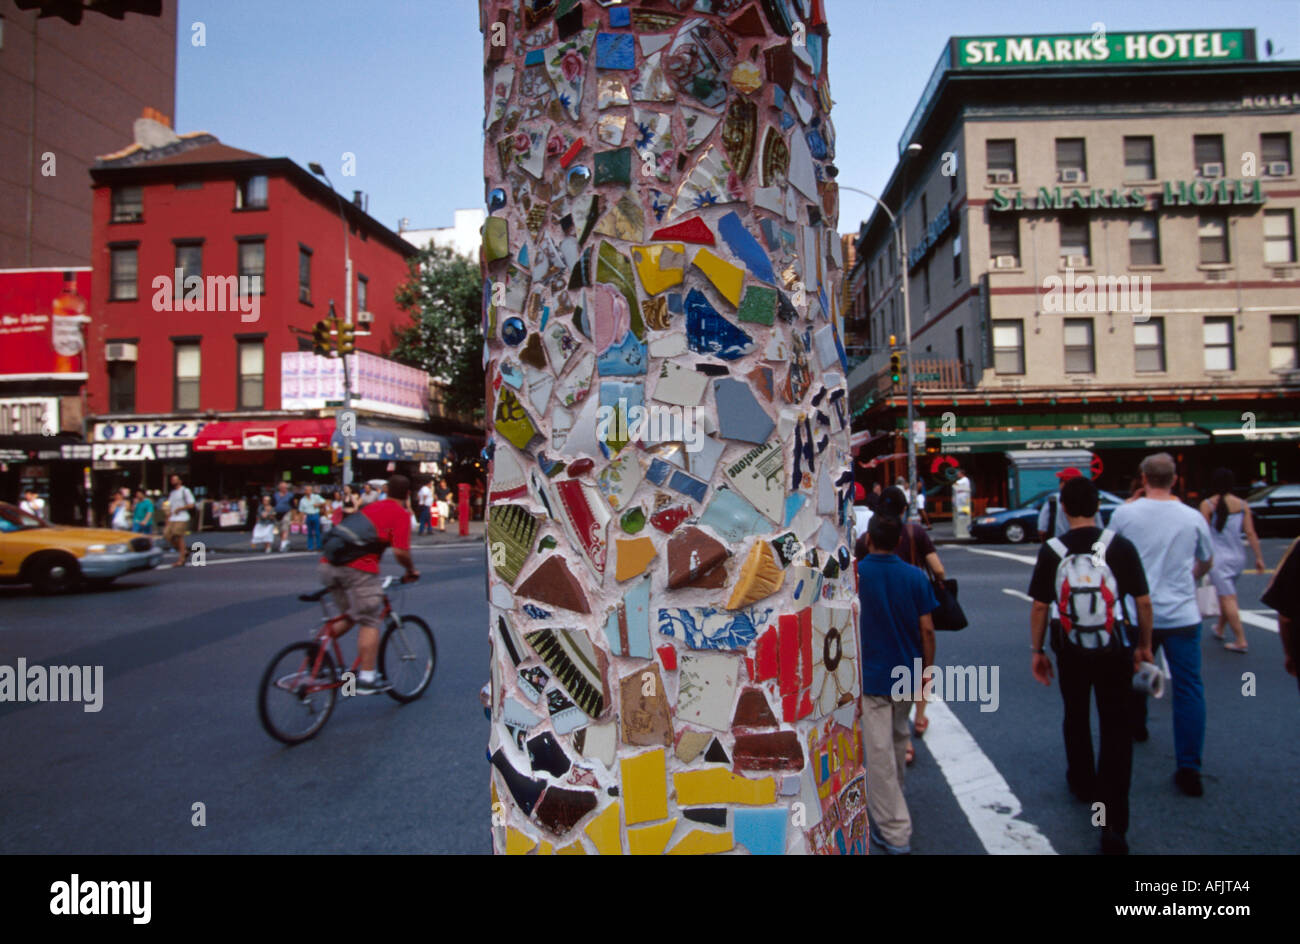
[[358, 594], [175, 529]]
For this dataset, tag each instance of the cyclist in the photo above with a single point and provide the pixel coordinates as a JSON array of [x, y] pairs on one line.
[[356, 586]]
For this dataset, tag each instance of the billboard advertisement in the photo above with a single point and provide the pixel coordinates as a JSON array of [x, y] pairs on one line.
[[42, 323], [310, 382]]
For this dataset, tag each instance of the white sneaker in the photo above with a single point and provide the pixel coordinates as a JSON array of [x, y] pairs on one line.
[[284, 547]]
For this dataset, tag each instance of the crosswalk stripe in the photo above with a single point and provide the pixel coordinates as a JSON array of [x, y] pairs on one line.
[[984, 796], [1023, 558], [1257, 619], [1016, 593]]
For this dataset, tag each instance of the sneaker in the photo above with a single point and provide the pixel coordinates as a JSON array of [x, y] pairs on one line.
[[1189, 781], [880, 841], [1113, 842], [373, 687]]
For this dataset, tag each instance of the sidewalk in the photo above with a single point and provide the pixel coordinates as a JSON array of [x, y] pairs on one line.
[[237, 542]]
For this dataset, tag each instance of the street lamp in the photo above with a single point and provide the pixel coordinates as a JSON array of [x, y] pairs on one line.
[[344, 421], [901, 240]]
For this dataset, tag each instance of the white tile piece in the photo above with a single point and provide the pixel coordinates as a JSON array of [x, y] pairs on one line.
[[771, 199], [652, 44], [682, 386], [802, 174], [702, 461], [670, 345], [581, 440], [708, 689], [759, 475], [501, 596], [618, 481], [600, 742], [824, 345]]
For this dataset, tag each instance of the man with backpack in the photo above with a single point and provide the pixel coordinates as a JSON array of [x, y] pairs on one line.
[[1087, 573], [350, 568]]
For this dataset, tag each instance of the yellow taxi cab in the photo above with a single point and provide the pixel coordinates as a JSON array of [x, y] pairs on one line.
[[55, 558]]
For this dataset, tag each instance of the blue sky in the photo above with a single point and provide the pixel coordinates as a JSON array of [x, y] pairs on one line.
[[398, 83]]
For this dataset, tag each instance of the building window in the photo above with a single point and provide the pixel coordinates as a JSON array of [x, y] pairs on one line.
[[1009, 347], [1207, 154], [1149, 346], [252, 360], [956, 258], [121, 386], [186, 392], [1071, 163], [1284, 342], [252, 265], [961, 345], [304, 274], [1275, 153], [1213, 234], [1004, 243], [189, 262], [1279, 236], [123, 263], [925, 213], [250, 193], [189, 185], [1143, 241], [952, 178], [1076, 247], [1217, 335], [128, 205], [1078, 346], [925, 287], [1000, 156], [1139, 158]]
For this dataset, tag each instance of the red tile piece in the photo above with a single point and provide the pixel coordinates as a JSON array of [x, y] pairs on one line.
[[805, 645], [668, 519], [789, 705], [805, 706], [747, 22], [766, 661], [580, 466], [571, 153], [694, 230], [668, 656], [789, 654], [774, 750]]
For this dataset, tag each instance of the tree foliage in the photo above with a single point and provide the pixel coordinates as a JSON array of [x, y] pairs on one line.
[[443, 296]]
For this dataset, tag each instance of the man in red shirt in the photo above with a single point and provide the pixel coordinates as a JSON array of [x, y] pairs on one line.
[[357, 589]]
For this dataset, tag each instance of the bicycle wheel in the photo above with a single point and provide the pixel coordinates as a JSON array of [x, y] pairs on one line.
[[293, 701], [407, 657]]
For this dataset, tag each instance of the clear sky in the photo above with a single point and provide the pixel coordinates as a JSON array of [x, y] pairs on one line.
[[398, 83]]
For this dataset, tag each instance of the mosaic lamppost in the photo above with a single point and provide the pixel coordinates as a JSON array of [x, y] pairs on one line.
[[673, 606]]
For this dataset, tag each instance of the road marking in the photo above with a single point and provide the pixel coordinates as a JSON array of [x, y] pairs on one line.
[[252, 557], [1023, 558], [1016, 593], [1258, 619], [979, 789]]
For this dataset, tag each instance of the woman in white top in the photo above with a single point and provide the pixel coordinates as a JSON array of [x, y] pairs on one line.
[[1229, 519]]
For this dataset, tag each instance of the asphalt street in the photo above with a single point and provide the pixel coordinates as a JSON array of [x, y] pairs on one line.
[[183, 651]]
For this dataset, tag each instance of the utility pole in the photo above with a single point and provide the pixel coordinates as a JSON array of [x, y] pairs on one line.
[[345, 420]]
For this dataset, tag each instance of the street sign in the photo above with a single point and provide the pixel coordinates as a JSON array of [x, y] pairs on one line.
[[332, 403]]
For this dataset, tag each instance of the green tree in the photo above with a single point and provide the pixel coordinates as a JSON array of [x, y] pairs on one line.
[[443, 295]]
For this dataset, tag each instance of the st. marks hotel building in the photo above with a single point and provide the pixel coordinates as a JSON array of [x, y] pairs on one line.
[[1157, 160]]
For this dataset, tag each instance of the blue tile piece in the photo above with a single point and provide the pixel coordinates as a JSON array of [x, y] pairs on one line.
[[615, 51], [622, 16], [793, 503], [814, 46], [625, 359], [740, 415], [816, 144], [731, 516], [708, 332], [778, 97], [523, 255], [535, 57], [762, 832], [669, 476], [745, 247], [708, 627], [636, 613], [675, 302], [536, 612], [546, 316], [511, 374], [769, 234], [787, 121]]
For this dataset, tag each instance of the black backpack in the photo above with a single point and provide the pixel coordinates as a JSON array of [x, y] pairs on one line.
[[352, 539]]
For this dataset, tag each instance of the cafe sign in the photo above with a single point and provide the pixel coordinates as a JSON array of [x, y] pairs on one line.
[[1199, 192], [1100, 48]]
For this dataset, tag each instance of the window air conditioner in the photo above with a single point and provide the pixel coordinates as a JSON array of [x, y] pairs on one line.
[[1212, 170], [1002, 177], [1076, 262], [119, 351], [1004, 262], [1278, 169], [1070, 175], [365, 318]]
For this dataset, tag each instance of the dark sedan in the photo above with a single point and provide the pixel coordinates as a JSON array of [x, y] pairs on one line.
[[1017, 525], [1276, 510]]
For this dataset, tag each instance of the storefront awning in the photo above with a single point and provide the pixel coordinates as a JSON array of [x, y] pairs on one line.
[[1263, 432], [252, 435], [387, 443], [1145, 437]]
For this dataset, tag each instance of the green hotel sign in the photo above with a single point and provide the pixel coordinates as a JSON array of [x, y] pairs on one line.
[[1172, 193], [1103, 49]]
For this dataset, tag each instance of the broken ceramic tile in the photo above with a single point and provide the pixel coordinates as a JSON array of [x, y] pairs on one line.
[[740, 415], [651, 84], [746, 78], [626, 359], [615, 51], [690, 743], [692, 554], [656, 319], [787, 548], [732, 517], [515, 715], [525, 790], [613, 267], [513, 421], [693, 230], [802, 174], [652, 44], [560, 345], [610, 92], [545, 753], [566, 717], [702, 461], [753, 711], [552, 582], [620, 402], [745, 247], [763, 380], [585, 519], [624, 220], [615, 167], [561, 809], [660, 267], [644, 779], [835, 678], [532, 354], [716, 754], [707, 690], [725, 277], [739, 130], [710, 182], [668, 656], [703, 842], [711, 628], [510, 533], [709, 333], [758, 306], [653, 140], [512, 374], [760, 576], [511, 642], [609, 129], [714, 785], [708, 815], [667, 519], [576, 664], [644, 714], [632, 520], [633, 556], [627, 628], [762, 832], [650, 840], [566, 66], [619, 480], [779, 60], [679, 385], [663, 473], [699, 60], [770, 750], [532, 681], [759, 475], [600, 742], [496, 239], [503, 77]]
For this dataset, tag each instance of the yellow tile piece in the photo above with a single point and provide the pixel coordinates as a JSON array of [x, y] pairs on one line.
[[701, 842], [545, 848], [650, 840], [760, 576], [603, 831], [719, 785], [726, 278], [518, 842], [645, 786], [634, 557], [660, 266], [573, 848]]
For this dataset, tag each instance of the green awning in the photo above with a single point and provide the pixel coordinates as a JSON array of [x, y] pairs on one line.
[[1141, 437], [1260, 432]]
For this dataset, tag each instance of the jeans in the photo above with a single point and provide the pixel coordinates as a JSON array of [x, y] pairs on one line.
[[425, 526], [1183, 650], [1111, 676], [313, 532]]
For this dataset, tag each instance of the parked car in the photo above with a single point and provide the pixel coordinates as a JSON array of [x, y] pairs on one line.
[[1276, 510], [1017, 525], [56, 559]]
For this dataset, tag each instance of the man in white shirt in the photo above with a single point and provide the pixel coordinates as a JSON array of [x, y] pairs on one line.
[[424, 502], [179, 505], [1051, 517], [33, 504]]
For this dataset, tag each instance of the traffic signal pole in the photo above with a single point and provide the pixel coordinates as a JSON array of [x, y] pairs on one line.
[[345, 420]]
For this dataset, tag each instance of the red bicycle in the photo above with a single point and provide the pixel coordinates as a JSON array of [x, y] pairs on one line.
[[302, 682]]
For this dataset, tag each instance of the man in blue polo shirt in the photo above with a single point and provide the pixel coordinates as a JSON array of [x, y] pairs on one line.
[[897, 630]]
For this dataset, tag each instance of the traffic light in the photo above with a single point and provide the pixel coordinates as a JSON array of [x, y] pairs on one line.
[[321, 342], [895, 368], [347, 343]]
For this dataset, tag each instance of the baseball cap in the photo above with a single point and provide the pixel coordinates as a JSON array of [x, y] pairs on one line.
[[859, 493], [1071, 473]]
